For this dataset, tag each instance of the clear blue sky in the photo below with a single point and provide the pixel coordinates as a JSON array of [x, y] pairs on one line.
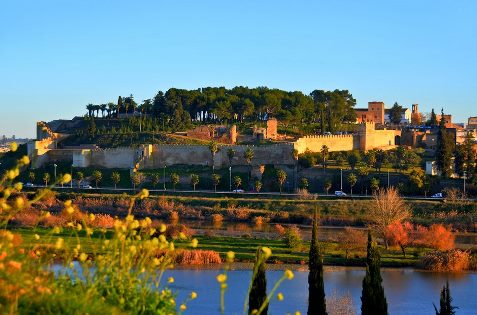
[[58, 56]]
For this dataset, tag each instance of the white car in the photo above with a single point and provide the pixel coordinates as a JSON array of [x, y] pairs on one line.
[[29, 185], [339, 193], [86, 187], [238, 190], [438, 195]]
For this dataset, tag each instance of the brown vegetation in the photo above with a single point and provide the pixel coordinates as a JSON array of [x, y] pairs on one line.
[[454, 260], [352, 239], [192, 256]]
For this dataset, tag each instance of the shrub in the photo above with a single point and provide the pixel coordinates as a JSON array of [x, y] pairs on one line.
[[192, 256], [102, 221], [217, 218], [293, 238], [454, 260], [174, 231], [173, 216], [437, 236], [351, 239], [280, 229]]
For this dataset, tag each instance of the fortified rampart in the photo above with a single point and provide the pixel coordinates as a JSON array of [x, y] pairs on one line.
[[366, 138]]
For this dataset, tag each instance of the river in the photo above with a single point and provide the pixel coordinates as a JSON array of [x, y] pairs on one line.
[[408, 291]]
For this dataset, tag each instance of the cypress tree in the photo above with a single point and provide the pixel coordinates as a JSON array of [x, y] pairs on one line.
[[444, 148], [258, 291], [373, 300], [445, 302], [316, 287]]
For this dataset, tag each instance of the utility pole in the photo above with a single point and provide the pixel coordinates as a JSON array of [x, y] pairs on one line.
[[230, 178], [55, 170]]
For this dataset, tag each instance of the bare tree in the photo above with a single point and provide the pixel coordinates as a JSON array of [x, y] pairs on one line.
[[387, 209], [340, 304]]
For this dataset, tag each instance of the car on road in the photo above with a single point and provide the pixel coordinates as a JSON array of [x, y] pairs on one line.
[[29, 185], [86, 186], [340, 193], [238, 190], [438, 195]]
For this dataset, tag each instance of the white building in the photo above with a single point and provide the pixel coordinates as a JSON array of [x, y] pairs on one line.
[[405, 116]]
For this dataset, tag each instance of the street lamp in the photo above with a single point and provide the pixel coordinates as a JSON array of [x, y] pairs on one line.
[[341, 181], [164, 176], [230, 178], [465, 173], [55, 170]]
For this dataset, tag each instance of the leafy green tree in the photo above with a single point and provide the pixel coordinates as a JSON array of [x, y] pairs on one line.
[[281, 178], [194, 180], [136, 179], [373, 300], [97, 176], [258, 291], [395, 114], [353, 159], [444, 149], [46, 178], [116, 178], [258, 185], [237, 181], [445, 302], [175, 180], [216, 181], [316, 287], [155, 179], [79, 178], [352, 179]]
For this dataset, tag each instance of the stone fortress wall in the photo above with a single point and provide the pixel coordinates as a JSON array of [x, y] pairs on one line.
[[156, 156]]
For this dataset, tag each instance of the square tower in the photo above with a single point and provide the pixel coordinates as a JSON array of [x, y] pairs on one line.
[[376, 112]]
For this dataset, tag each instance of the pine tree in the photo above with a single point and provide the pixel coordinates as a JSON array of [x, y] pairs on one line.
[[433, 119], [258, 292], [316, 288], [373, 300], [445, 302]]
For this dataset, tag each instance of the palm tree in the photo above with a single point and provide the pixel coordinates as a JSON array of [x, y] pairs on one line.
[[216, 181], [248, 156], [90, 107], [174, 180], [97, 175], [80, 177], [214, 148], [46, 178], [281, 178], [116, 178], [103, 108], [352, 179], [324, 153]]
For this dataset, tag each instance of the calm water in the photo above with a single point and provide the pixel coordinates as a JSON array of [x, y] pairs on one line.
[[408, 291]]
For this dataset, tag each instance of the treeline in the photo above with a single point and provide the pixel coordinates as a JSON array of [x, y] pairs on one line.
[[329, 109]]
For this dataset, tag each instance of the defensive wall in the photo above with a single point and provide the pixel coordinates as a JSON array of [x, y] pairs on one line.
[[366, 138]]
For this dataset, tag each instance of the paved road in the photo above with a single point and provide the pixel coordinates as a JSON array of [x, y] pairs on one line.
[[221, 192]]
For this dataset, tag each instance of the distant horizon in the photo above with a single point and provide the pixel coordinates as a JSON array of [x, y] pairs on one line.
[[56, 56]]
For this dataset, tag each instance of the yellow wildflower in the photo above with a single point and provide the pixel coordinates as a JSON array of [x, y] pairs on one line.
[[66, 178], [183, 307], [170, 280], [13, 146], [11, 174], [91, 217], [129, 218], [289, 274], [19, 203], [25, 160], [267, 252], [89, 231], [83, 257], [37, 237], [193, 295], [280, 296], [162, 228], [79, 227], [221, 278], [133, 249], [230, 256], [144, 193], [194, 243], [59, 243], [18, 186]]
